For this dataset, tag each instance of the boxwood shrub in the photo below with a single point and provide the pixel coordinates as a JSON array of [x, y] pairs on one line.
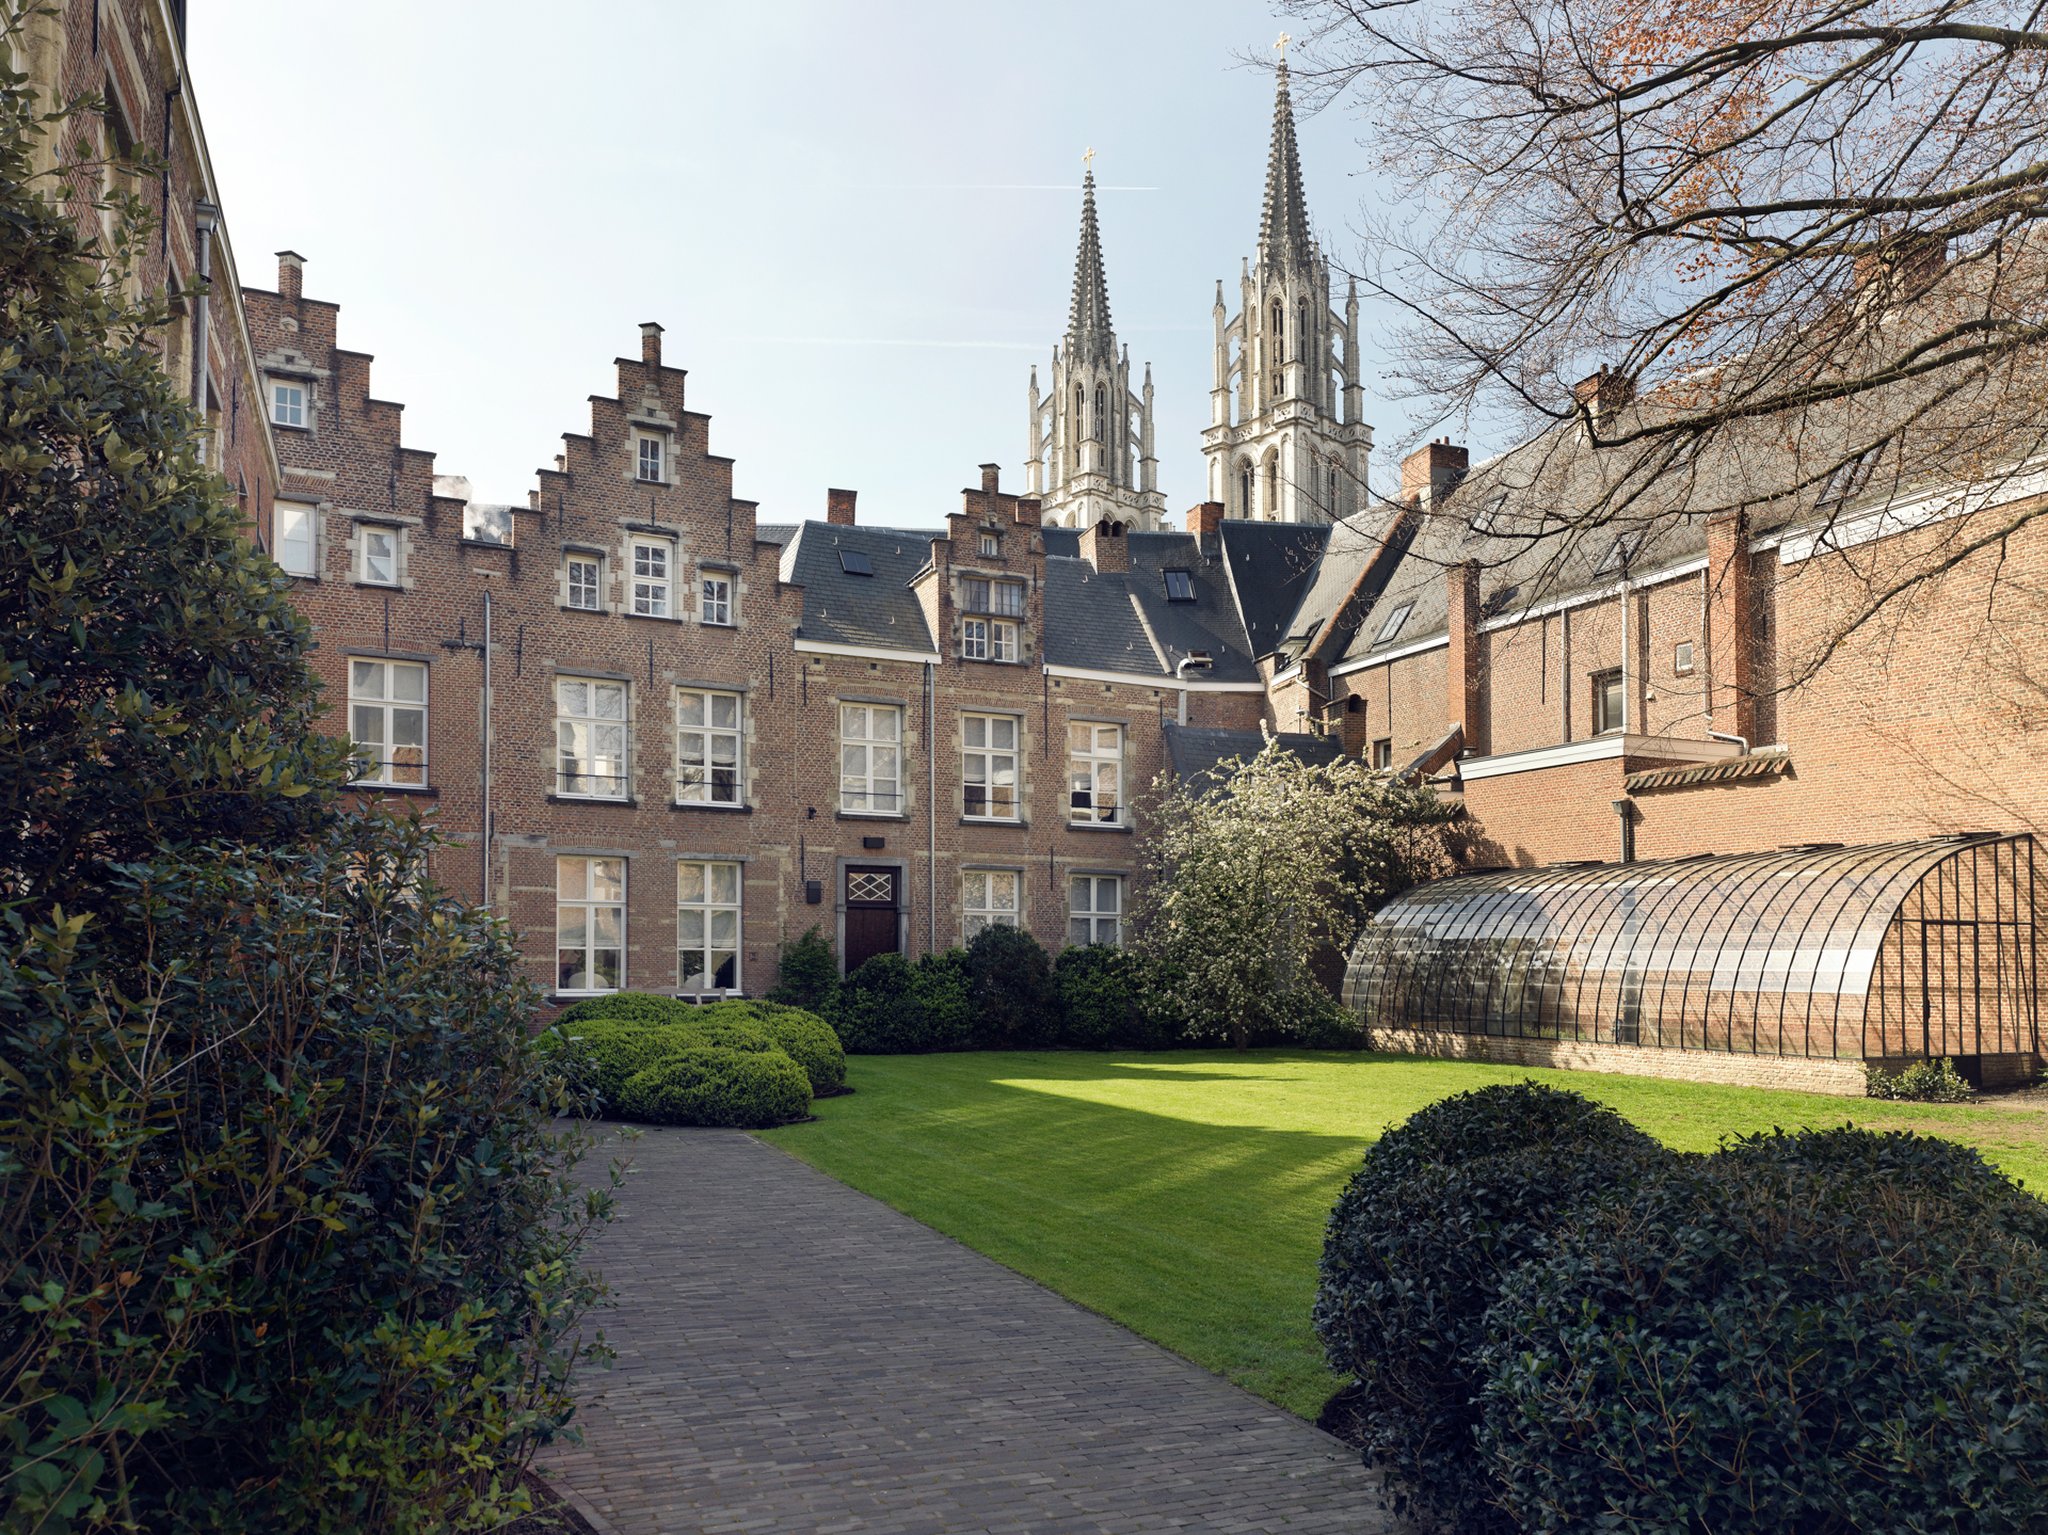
[[736, 1025], [1009, 983], [892, 1007], [802, 1035], [1830, 1333], [705, 1085], [1105, 1001], [1444, 1208]]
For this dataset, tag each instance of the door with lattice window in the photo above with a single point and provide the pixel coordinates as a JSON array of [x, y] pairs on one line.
[[872, 901]]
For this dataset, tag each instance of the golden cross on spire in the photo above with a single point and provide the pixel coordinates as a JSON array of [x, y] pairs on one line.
[[1281, 45], [1088, 159]]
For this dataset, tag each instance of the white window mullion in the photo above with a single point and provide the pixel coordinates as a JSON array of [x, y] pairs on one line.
[[707, 927], [590, 738], [870, 758], [590, 924], [708, 730]]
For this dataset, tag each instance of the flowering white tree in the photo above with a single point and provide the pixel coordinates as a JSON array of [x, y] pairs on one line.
[[1261, 869]]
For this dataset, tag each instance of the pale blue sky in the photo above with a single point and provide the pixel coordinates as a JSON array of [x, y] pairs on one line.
[[856, 220]]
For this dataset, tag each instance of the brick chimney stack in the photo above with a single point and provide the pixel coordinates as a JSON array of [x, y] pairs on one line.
[[1731, 621], [1205, 518], [291, 274], [991, 478], [1603, 393], [839, 507], [1105, 547], [650, 344], [1432, 469], [1466, 667]]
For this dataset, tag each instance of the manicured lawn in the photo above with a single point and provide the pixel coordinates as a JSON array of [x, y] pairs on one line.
[[1184, 1194]]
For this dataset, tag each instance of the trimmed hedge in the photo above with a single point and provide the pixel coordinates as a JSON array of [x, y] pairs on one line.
[[1831, 1333], [735, 1025], [803, 1036], [892, 1007], [700, 1085], [1445, 1207], [1104, 1001], [1009, 983]]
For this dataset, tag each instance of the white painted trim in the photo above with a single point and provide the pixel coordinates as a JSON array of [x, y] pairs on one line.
[[868, 652], [1608, 593], [1280, 678], [1169, 683], [1598, 749], [1908, 512], [1346, 668]]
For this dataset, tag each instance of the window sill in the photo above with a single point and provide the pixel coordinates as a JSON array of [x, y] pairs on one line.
[[995, 820], [626, 800], [364, 787], [1121, 826], [871, 815], [563, 998], [567, 607], [656, 618], [712, 623], [696, 804], [991, 661], [377, 586]]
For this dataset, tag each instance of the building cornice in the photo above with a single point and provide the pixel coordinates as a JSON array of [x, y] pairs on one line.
[[1598, 749]]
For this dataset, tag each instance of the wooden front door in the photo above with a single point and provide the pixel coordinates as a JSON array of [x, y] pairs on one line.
[[871, 904]]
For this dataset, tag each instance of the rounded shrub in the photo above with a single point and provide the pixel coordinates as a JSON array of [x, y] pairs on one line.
[[636, 1006], [1827, 1333], [892, 1007], [1444, 1208], [809, 973], [600, 1053], [1009, 981], [802, 1035], [706, 1085]]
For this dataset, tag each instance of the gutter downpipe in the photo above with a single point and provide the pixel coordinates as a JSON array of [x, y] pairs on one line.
[[207, 217], [1180, 673], [931, 807], [484, 890]]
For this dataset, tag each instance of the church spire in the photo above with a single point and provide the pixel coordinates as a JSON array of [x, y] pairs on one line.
[[1283, 227], [1089, 336]]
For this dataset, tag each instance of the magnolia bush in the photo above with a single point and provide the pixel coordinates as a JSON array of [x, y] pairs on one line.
[[1260, 873]]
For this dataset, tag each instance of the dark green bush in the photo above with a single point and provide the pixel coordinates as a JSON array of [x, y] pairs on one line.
[[1009, 982], [1444, 1208], [705, 1085], [1321, 1022], [1923, 1082], [291, 1240], [629, 1006], [809, 975], [1832, 1333], [1105, 1001], [892, 1007], [609, 1054]]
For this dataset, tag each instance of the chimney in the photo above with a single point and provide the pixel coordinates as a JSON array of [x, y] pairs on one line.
[[1029, 509], [650, 344], [1205, 518], [1603, 393], [1466, 669], [991, 478], [1105, 547], [839, 507], [291, 274], [1731, 619], [1431, 470]]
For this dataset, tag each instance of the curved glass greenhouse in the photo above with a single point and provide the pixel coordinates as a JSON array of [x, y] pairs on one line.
[[1904, 949]]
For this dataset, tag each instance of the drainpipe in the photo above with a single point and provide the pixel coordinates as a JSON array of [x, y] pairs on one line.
[[208, 216], [931, 807], [1200, 661], [1626, 809], [485, 838]]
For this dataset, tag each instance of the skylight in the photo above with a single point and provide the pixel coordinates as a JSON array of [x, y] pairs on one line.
[[1393, 624], [1487, 518], [1180, 586], [855, 562]]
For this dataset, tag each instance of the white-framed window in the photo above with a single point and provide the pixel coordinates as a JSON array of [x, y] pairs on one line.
[[590, 924], [296, 537], [1005, 599], [1393, 624], [387, 721], [1095, 909], [376, 555], [871, 758], [1681, 658], [988, 766], [590, 738], [988, 639], [991, 546], [1095, 761], [988, 898], [715, 605], [287, 402], [653, 577], [1608, 708], [707, 927], [707, 747], [583, 582], [650, 457], [1383, 754]]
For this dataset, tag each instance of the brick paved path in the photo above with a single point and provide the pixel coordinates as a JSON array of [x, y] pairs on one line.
[[794, 1356]]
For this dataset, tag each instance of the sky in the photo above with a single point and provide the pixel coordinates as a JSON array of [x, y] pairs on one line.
[[856, 221]]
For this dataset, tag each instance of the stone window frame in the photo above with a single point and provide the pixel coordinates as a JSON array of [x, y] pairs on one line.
[[594, 720], [868, 743], [1094, 915], [594, 557], [387, 704], [727, 607], [983, 638], [666, 582], [987, 751], [644, 439], [989, 912], [709, 909], [709, 733], [590, 904], [273, 382], [366, 530]]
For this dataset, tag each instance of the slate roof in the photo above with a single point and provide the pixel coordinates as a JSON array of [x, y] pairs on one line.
[[1270, 567], [844, 609], [775, 532], [1194, 750]]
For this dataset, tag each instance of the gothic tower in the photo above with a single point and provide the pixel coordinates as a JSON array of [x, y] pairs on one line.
[[1279, 450], [1090, 447]]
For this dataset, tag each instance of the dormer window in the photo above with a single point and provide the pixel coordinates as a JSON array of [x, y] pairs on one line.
[[1393, 624], [1487, 518], [651, 460], [1180, 586], [287, 402], [1004, 598]]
